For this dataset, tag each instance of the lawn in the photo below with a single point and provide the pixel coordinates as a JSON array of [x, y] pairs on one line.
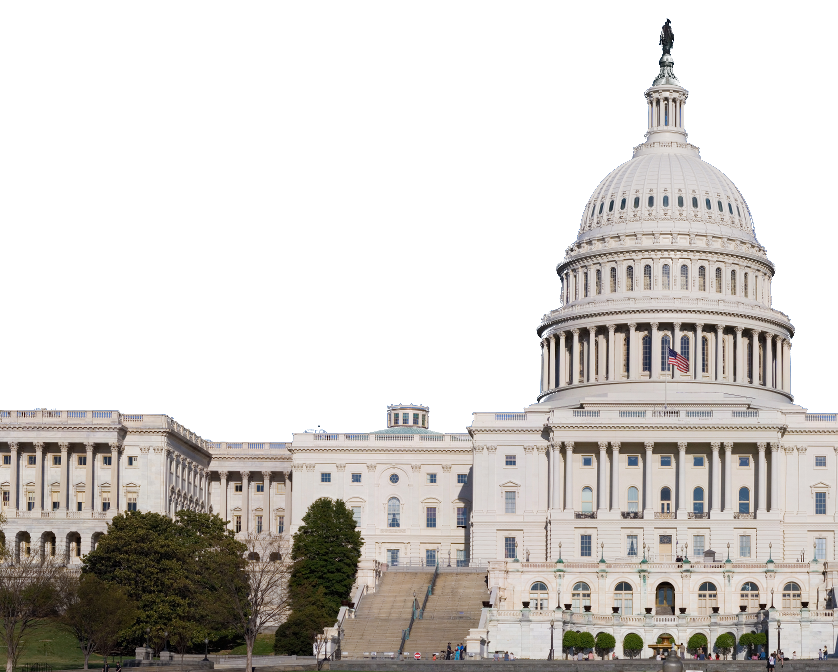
[[264, 646], [49, 643]]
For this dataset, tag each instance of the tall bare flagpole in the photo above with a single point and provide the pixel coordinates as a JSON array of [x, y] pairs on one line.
[[44, 402]]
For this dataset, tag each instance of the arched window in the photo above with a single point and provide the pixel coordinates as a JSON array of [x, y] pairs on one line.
[[729, 208], [587, 500], [707, 598], [593, 210], [791, 596], [623, 598], [623, 204], [666, 201], [599, 282], [705, 354], [685, 347], [613, 279], [647, 353], [585, 286], [702, 279], [744, 500], [636, 202], [745, 285], [749, 595], [685, 277], [666, 500], [738, 214], [602, 205], [698, 500], [707, 204], [647, 277], [629, 278], [651, 201], [733, 283], [718, 281], [695, 202], [721, 207], [538, 596], [581, 596], [665, 275], [680, 201], [394, 512], [666, 343], [633, 499], [611, 206]]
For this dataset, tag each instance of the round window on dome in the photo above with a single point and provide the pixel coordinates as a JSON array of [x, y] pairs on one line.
[[729, 208], [651, 201], [721, 207], [680, 201], [666, 201], [623, 204], [707, 204], [637, 201], [611, 206], [695, 202], [394, 478]]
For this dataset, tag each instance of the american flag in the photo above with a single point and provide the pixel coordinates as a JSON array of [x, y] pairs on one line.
[[681, 363]]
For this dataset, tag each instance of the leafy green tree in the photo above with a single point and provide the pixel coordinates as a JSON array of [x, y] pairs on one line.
[[760, 638], [604, 643], [570, 640], [94, 612], [586, 641], [746, 640], [632, 645], [311, 614], [725, 643], [697, 641]]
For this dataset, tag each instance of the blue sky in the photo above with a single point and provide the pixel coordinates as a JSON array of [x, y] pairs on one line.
[[262, 217]]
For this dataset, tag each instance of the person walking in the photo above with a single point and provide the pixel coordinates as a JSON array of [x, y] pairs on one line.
[[448, 652], [770, 663]]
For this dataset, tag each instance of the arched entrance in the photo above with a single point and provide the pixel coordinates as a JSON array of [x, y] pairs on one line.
[[665, 599]]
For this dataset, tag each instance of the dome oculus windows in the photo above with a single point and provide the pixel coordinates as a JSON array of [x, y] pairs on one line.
[[613, 279], [637, 202], [611, 206], [602, 205], [721, 207], [702, 280], [623, 204], [680, 201], [651, 201], [718, 281], [695, 203], [729, 208], [630, 278], [666, 201], [706, 203], [685, 277]]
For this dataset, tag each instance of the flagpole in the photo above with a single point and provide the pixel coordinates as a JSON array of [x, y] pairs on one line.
[[665, 383]]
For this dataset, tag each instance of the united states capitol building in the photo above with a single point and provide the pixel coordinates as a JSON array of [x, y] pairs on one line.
[[631, 497]]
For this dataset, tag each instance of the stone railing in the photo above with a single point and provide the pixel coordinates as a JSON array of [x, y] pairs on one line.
[[322, 440], [228, 446], [667, 564], [51, 418], [651, 416]]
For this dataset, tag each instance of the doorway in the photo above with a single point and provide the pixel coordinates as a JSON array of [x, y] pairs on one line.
[[665, 600], [665, 547]]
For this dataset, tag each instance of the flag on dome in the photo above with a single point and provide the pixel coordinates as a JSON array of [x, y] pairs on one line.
[[681, 363]]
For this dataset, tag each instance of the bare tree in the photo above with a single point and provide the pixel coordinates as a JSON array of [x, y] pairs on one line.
[[254, 589], [28, 593]]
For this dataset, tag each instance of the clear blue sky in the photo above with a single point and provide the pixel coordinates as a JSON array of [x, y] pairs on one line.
[[260, 217]]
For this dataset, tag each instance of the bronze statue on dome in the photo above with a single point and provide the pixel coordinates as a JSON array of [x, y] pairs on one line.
[[667, 37]]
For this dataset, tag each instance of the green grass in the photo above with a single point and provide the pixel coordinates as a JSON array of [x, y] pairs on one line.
[[49, 643], [264, 646]]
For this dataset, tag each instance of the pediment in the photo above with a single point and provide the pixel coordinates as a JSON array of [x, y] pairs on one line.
[[510, 484]]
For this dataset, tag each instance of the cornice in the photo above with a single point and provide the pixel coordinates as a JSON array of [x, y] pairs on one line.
[[67, 428], [248, 458], [555, 390], [773, 429], [465, 449], [510, 430], [812, 431]]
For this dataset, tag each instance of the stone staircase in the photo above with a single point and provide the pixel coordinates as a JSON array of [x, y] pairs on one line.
[[383, 615], [452, 610]]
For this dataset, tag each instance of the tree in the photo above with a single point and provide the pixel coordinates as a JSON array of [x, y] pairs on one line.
[[311, 614], [28, 593], [604, 643], [255, 587], [94, 612], [570, 640], [760, 638], [183, 635], [725, 643], [632, 645], [586, 641], [746, 640], [697, 641]]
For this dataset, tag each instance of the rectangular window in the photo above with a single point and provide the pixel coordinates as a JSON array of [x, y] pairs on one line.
[[238, 523], [82, 460], [423, 421], [7, 459], [431, 478], [820, 460], [698, 545], [820, 549], [133, 461], [280, 488], [5, 498], [405, 418], [237, 487], [585, 547], [280, 524], [633, 460], [430, 516], [132, 502], [356, 478], [415, 418], [395, 418], [106, 501], [666, 460], [744, 545], [631, 544], [509, 549], [260, 487], [56, 460], [462, 479], [462, 560], [79, 501], [325, 477], [106, 460], [461, 516], [509, 499], [356, 514], [30, 501], [744, 461], [510, 461], [430, 557], [698, 461], [30, 460], [55, 503], [820, 503], [587, 460], [258, 524]]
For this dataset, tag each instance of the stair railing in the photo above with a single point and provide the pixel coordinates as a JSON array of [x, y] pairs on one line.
[[430, 590], [415, 612]]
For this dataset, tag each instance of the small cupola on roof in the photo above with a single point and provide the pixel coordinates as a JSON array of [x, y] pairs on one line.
[[407, 419]]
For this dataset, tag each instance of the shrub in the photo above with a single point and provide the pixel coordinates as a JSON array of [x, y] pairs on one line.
[[633, 645], [604, 643], [725, 643], [586, 641], [570, 640], [697, 641]]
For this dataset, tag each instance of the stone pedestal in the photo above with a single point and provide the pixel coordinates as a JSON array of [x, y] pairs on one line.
[[143, 654]]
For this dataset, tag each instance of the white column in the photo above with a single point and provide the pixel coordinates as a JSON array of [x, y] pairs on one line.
[[551, 373], [479, 479], [568, 475], [633, 374], [769, 362], [754, 357], [602, 469], [775, 477], [647, 490], [289, 501], [222, 492], [13, 480], [591, 354], [682, 479], [574, 359], [699, 343], [245, 501], [551, 478], [445, 512], [545, 364], [780, 363], [530, 479], [615, 476], [676, 342], [728, 478], [557, 500], [763, 478], [716, 475], [39, 477], [543, 471], [269, 512], [612, 375], [787, 367], [493, 484], [656, 352], [562, 360], [62, 477], [88, 477], [116, 482], [740, 359], [720, 334]]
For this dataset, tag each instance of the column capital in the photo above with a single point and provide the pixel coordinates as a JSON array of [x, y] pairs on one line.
[[699, 326], [544, 343], [787, 343], [615, 446], [728, 446], [63, 446], [116, 447], [245, 475], [267, 474], [223, 475], [492, 449], [649, 445], [447, 467], [714, 446], [541, 449], [39, 446], [611, 328], [779, 339], [144, 449], [340, 466], [775, 447], [371, 468], [761, 446], [603, 446], [575, 332], [654, 325], [682, 446], [720, 328], [89, 447], [802, 449], [632, 325], [739, 330], [529, 449], [755, 332], [593, 330], [568, 446], [676, 326], [478, 450], [562, 335], [554, 335], [13, 446]]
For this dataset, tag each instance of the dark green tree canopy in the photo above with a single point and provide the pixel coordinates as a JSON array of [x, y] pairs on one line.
[[586, 640], [604, 643], [632, 644], [697, 641]]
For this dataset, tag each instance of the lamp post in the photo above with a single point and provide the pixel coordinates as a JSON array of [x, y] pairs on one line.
[[147, 633], [778, 638], [206, 649], [550, 655], [166, 641], [772, 598]]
